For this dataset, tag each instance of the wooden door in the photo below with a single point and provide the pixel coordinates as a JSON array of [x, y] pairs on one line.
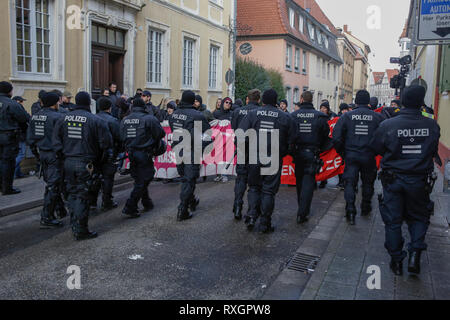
[[100, 64]]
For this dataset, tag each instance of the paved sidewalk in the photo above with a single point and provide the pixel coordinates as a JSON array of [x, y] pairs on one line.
[[32, 194], [341, 273]]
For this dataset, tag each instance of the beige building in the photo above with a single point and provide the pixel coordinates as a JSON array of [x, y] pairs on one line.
[[361, 65], [348, 54], [165, 46]]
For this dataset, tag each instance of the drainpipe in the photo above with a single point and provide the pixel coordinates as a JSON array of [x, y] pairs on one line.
[[437, 93]]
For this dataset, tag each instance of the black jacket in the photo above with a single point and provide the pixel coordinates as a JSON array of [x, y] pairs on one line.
[[240, 113], [354, 131], [36, 107], [40, 131], [80, 134], [265, 119], [114, 129], [311, 129], [12, 115], [223, 114], [408, 143], [141, 131]]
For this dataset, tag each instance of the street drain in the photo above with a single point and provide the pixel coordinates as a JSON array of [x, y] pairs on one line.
[[303, 263]]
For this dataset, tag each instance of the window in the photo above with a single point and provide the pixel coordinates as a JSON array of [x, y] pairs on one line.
[[288, 56], [106, 36], [301, 24], [188, 62], [318, 67], [288, 96], [304, 62], [297, 59], [296, 95], [311, 31], [319, 37], [33, 34], [154, 63], [326, 41], [323, 69], [213, 58], [291, 18]]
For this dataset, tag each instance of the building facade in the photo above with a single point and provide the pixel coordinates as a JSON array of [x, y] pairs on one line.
[[348, 54], [163, 46], [291, 43], [380, 86], [361, 64]]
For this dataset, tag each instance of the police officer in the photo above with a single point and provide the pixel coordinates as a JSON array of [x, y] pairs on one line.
[[82, 140], [352, 135], [13, 121], [109, 168], [184, 120], [311, 133], [141, 134], [373, 103], [264, 177], [408, 144], [254, 98], [38, 104], [40, 135]]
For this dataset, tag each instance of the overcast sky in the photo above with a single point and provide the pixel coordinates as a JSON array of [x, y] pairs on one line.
[[383, 42]]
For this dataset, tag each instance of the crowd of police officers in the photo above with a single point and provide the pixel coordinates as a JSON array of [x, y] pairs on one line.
[[77, 147]]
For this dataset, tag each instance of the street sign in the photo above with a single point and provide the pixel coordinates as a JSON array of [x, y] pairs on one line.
[[245, 48], [433, 25], [229, 77]]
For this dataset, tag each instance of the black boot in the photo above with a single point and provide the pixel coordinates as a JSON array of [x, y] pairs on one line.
[[250, 222], [85, 235], [194, 204], [414, 262], [49, 224], [130, 213], [397, 267], [301, 219], [237, 210], [61, 213], [267, 228], [351, 214], [11, 192], [366, 209], [148, 205], [109, 206], [184, 214]]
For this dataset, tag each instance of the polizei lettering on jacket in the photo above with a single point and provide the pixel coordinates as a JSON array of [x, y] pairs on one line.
[[305, 115], [409, 133], [265, 113], [179, 116], [243, 112], [362, 117], [39, 118], [75, 119], [131, 121]]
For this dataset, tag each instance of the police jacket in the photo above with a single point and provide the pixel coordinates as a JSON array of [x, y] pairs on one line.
[[13, 116], [265, 120], [80, 134], [311, 129], [240, 113], [354, 131], [40, 131], [154, 111], [408, 143], [114, 128], [140, 130], [36, 107], [185, 118]]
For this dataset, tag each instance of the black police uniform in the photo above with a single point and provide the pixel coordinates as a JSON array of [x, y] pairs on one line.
[[84, 141], [108, 168], [311, 133], [40, 135], [185, 117], [154, 111], [13, 121], [36, 107], [408, 144], [263, 188], [140, 132], [241, 169], [352, 135]]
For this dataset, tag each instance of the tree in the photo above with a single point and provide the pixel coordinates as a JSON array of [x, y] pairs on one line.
[[251, 75]]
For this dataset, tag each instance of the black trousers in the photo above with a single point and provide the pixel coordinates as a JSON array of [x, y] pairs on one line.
[[142, 171], [189, 174], [306, 179], [240, 185], [108, 171], [9, 149], [78, 181], [405, 199], [51, 172], [262, 191], [353, 168]]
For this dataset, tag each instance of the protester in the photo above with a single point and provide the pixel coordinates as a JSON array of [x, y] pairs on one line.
[[203, 108], [284, 105], [224, 112]]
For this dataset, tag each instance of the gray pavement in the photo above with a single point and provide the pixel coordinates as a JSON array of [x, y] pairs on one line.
[[342, 272], [209, 257]]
